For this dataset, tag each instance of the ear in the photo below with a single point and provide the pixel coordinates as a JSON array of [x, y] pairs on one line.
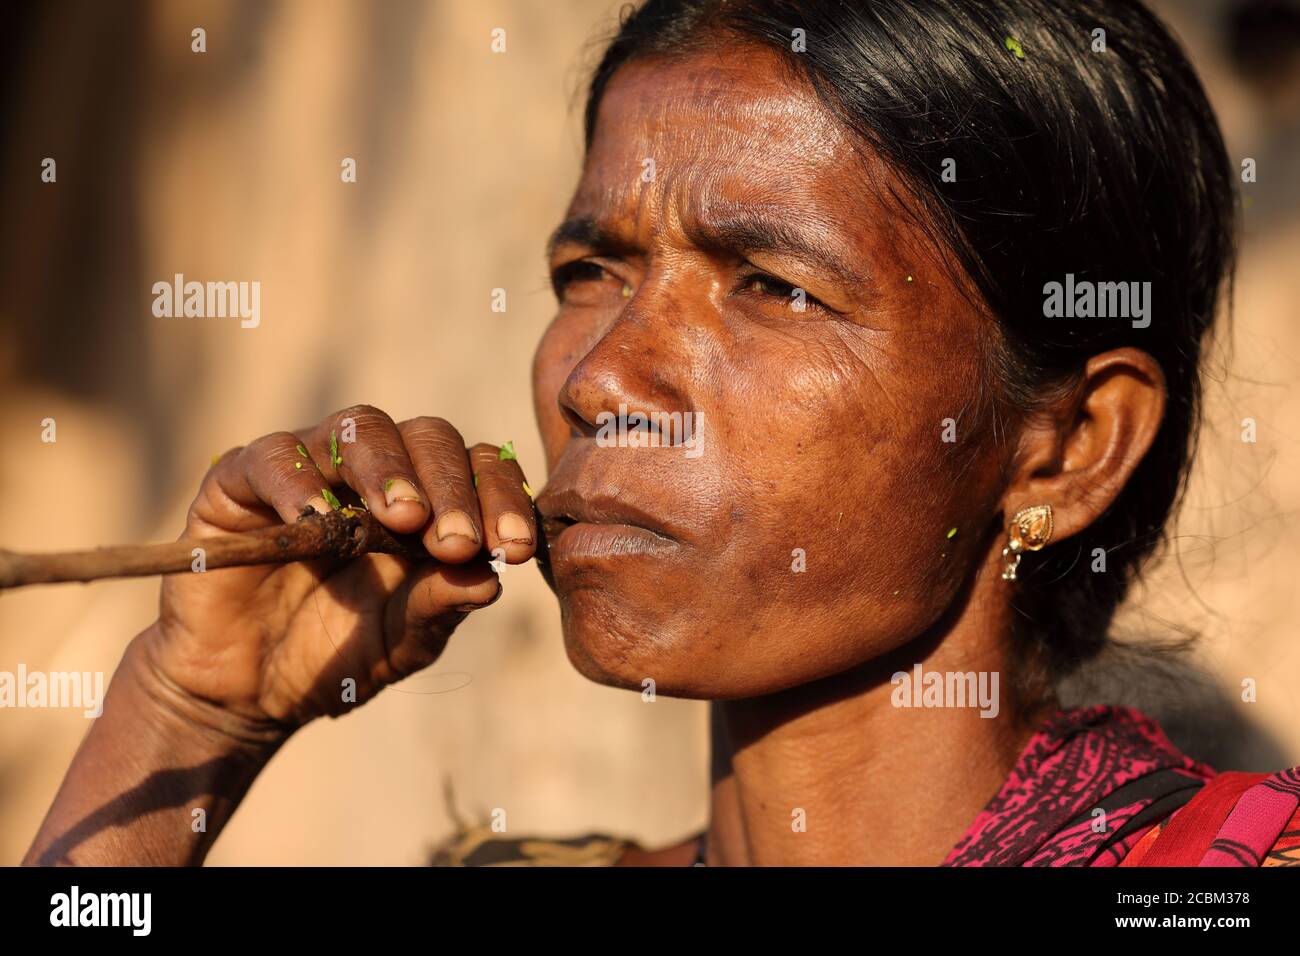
[[1078, 455]]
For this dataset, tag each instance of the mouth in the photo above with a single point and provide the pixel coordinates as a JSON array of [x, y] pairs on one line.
[[598, 525], [562, 508]]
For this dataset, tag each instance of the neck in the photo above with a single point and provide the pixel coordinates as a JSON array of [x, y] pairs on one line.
[[838, 773]]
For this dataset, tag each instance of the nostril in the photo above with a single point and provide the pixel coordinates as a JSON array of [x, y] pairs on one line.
[[597, 384], [578, 425], [570, 403]]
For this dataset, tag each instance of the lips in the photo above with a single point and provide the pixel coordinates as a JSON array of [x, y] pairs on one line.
[[564, 506]]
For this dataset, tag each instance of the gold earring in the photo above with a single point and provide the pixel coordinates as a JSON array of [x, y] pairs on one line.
[[1030, 530]]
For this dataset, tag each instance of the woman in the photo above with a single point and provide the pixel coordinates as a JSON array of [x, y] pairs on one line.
[[872, 383]]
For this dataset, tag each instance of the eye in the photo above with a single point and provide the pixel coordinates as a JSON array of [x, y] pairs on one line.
[[770, 287], [574, 273]]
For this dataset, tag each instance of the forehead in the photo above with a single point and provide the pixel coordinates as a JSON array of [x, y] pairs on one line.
[[677, 137]]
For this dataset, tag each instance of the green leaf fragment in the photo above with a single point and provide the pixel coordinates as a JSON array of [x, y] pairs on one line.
[[330, 499], [476, 479], [335, 458], [1014, 46], [952, 532], [388, 484], [507, 452], [297, 465], [303, 451]]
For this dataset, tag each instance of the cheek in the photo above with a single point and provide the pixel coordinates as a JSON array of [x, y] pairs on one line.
[[850, 491], [556, 355]]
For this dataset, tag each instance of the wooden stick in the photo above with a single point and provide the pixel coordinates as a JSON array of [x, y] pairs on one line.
[[346, 533]]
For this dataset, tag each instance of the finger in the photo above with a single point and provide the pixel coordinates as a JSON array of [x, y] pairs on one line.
[[362, 448], [506, 507], [252, 486], [454, 532], [426, 608], [345, 621]]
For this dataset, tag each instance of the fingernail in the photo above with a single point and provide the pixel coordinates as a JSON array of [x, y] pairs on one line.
[[455, 522], [320, 504], [488, 603], [399, 489], [512, 527]]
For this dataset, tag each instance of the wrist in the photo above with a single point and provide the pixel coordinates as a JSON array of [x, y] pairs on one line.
[[207, 726], [200, 757], [157, 777]]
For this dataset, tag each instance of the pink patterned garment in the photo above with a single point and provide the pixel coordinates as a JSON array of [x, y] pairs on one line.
[[1260, 831], [1083, 760]]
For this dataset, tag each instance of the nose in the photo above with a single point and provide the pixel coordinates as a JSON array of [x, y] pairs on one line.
[[640, 365]]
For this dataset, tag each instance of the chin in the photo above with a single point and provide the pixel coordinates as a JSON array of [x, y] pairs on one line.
[[615, 654]]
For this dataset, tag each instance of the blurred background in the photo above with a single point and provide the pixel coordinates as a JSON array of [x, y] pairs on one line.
[[225, 165]]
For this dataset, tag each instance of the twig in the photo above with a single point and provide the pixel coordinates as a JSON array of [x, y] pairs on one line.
[[346, 533]]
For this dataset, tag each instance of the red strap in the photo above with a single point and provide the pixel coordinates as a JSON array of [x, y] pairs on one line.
[[1189, 833]]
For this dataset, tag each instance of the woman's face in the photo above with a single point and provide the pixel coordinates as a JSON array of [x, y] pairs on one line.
[[801, 524]]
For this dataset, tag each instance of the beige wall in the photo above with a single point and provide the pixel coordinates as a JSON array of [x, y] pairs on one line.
[[226, 166]]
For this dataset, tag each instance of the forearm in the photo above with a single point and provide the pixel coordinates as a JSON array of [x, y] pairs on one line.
[[155, 780]]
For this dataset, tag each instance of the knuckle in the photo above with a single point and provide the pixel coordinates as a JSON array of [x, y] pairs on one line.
[[268, 447], [498, 483], [430, 428], [228, 455], [282, 439], [364, 415], [439, 446], [197, 506], [501, 476], [270, 463], [431, 423], [510, 468], [254, 448]]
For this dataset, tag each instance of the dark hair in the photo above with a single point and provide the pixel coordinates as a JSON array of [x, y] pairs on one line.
[[1107, 165]]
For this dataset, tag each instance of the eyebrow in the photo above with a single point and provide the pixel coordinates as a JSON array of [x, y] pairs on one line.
[[750, 229], [741, 229], [585, 231]]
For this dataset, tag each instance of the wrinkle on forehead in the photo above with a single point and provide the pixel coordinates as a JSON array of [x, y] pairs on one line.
[[732, 92], [740, 130], [716, 130]]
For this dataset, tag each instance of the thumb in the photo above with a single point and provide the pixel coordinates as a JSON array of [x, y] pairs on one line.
[[427, 606]]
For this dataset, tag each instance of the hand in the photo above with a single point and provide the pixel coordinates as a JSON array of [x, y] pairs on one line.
[[275, 644]]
